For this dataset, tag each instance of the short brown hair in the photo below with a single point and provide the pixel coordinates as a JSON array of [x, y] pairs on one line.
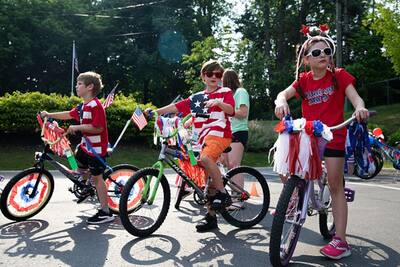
[[231, 80], [211, 65], [91, 77]]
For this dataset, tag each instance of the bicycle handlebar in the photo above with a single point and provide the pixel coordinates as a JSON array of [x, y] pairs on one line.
[[47, 141], [180, 124], [349, 120]]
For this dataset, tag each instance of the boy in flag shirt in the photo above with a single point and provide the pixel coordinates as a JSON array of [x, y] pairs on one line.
[[214, 133], [93, 125]]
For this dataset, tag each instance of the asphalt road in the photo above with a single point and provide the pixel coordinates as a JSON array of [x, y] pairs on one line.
[[59, 236]]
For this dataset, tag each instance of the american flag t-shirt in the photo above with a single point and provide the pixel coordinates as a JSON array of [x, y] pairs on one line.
[[139, 119]]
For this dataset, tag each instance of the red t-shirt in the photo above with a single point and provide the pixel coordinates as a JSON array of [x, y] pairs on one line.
[[218, 124], [93, 113], [322, 101]]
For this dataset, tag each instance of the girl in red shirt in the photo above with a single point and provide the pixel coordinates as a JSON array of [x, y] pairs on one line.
[[323, 90]]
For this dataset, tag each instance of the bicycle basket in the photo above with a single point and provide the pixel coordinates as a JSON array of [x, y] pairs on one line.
[[52, 132], [299, 148]]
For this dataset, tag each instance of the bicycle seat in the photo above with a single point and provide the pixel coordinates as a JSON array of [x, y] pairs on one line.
[[397, 143]]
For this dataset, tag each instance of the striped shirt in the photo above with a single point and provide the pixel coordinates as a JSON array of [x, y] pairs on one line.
[[218, 124], [92, 113]]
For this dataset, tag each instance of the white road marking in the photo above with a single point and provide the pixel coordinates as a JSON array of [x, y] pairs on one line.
[[376, 185]]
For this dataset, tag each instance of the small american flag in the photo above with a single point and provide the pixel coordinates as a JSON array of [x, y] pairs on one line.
[[139, 119], [110, 98]]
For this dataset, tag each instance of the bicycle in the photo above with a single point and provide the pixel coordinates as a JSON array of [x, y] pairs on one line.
[[384, 150], [148, 191], [29, 191], [299, 198]]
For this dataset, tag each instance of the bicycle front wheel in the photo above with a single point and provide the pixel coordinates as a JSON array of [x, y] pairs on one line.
[[115, 182], [286, 224], [250, 196], [139, 214], [378, 161], [19, 199]]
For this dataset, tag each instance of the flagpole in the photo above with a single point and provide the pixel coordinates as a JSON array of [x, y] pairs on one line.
[[72, 67], [121, 134]]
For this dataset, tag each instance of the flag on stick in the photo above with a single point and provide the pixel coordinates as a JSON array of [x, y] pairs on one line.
[[139, 119], [110, 98]]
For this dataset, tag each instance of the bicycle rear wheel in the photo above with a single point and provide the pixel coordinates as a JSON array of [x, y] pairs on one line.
[[286, 224], [138, 216], [115, 182], [18, 202], [251, 204]]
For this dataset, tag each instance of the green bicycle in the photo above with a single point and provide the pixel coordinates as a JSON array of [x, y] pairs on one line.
[[146, 197]]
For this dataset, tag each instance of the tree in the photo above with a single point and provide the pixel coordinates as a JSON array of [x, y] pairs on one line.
[[387, 25]]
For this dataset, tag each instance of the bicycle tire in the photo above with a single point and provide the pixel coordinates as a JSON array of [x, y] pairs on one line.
[[326, 228], [252, 210], [120, 174], [278, 257], [132, 220], [15, 203], [378, 161]]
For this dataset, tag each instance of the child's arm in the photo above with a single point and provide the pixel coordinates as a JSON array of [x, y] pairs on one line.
[[360, 112], [63, 115], [86, 128], [281, 104], [171, 108], [241, 113], [227, 108]]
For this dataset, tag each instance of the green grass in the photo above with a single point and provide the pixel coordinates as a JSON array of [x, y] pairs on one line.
[[387, 118]]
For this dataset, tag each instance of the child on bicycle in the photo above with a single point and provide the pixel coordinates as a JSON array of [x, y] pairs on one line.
[[214, 133], [92, 150], [323, 90]]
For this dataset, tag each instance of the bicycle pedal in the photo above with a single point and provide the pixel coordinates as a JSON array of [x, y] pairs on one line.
[[349, 194], [71, 190]]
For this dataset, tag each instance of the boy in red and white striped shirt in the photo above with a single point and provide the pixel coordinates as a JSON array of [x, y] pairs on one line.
[[93, 125], [214, 133]]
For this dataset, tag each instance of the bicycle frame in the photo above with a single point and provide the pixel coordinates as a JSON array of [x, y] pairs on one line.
[[42, 157], [166, 158], [390, 152]]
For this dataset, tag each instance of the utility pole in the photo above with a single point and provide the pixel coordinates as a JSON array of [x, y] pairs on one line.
[[339, 38], [339, 42]]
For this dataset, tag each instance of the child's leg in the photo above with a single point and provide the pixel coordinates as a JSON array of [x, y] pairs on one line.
[[101, 191], [335, 171], [235, 158]]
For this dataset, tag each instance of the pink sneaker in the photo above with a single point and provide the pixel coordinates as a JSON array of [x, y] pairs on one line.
[[336, 249]]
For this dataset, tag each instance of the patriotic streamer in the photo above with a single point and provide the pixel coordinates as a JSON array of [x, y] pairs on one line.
[[299, 147]]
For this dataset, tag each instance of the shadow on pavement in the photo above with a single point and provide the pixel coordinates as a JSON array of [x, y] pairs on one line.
[[365, 252], [74, 246]]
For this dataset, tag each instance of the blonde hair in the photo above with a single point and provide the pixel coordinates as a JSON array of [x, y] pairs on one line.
[[91, 77]]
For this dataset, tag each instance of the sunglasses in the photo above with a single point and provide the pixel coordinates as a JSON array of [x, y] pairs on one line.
[[210, 74], [317, 52]]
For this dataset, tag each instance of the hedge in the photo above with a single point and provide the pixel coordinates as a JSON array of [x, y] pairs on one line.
[[18, 114]]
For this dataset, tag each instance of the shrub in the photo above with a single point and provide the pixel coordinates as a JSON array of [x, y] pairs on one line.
[[394, 137], [261, 136], [18, 114]]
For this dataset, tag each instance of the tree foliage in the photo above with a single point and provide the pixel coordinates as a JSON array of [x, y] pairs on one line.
[[387, 24]]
